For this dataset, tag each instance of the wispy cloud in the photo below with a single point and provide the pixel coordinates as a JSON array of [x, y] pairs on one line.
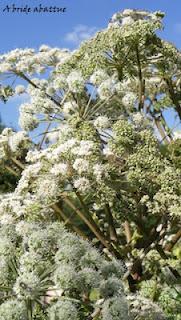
[[79, 34]]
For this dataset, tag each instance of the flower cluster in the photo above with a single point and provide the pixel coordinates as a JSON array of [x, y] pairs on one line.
[[46, 264], [30, 61], [142, 308], [13, 144]]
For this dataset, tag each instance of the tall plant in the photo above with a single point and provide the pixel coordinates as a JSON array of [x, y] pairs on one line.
[[96, 163]]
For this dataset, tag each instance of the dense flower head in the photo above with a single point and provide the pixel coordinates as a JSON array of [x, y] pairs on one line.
[[141, 308], [63, 310], [13, 143], [114, 309], [48, 257], [27, 60], [12, 309]]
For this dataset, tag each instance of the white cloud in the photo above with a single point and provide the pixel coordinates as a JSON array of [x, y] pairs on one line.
[[80, 33], [177, 27]]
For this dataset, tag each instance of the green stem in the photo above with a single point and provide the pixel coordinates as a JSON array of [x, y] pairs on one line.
[[11, 170], [18, 163], [89, 222], [66, 220], [110, 220], [24, 77], [141, 81], [173, 96]]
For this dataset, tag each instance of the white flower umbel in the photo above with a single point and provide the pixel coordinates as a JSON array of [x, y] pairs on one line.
[[5, 67], [7, 219], [81, 165], [102, 122], [98, 77], [129, 100], [53, 135], [60, 82], [28, 121], [177, 135], [26, 285], [82, 184], [13, 310], [129, 16], [13, 143], [20, 89], [138, 119], [106, 89], [60, 169], [85, 148], [63, 310], [69, 107], [75, 81], [44, 48], [127, 20], [143, 308], [63, 148], [17, 140], [115, 309], [108, 152], [47, 189], [99, 172]]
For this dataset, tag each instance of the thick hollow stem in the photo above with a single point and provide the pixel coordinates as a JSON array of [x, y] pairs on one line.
[[141, 80], [23, 76], [11, 170], [18, 163], [173, 96], [127, 231], [66, 220], [89, 222], [110, 220], [173, 242], [161, 130]]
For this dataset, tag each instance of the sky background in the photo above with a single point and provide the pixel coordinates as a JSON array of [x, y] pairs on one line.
[[67, 30]]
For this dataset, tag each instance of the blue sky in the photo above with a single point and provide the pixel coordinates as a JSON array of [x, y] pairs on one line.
[[81, 19]]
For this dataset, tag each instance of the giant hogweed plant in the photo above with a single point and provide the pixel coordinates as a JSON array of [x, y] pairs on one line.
[[88, 156]]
